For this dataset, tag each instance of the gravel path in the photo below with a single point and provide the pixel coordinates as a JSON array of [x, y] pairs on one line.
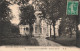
[[44, 42]]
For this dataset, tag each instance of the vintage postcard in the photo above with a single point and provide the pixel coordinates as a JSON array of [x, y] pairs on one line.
[[40, 25]]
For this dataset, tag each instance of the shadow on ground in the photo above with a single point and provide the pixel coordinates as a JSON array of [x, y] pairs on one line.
[[64, 41], [18, 41]]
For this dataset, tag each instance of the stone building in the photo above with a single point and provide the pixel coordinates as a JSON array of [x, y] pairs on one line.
[[40, 28], [24, 30]]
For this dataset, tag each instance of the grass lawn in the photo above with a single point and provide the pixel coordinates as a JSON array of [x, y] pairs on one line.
[[65, 41]]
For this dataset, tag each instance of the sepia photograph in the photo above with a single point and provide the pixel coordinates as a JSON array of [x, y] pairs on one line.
[[40, 23]]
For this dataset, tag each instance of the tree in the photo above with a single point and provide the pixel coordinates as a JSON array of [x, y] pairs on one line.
[[51, 8], [4, 13], [27, 16], [57, 9], [67, 26]]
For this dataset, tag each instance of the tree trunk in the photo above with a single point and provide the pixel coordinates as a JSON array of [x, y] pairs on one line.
[[31, 29], [59, 30], [54, 31], [47, 29], [50, 30], [70, 33]]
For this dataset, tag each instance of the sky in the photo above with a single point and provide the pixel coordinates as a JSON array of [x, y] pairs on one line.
[[15, 12]]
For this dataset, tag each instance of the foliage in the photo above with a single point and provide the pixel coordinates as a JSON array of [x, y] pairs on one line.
[[4, 10], [50, 7], [4, 13], [55, 9], [27, 15], [67, 26], [18, 1]]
